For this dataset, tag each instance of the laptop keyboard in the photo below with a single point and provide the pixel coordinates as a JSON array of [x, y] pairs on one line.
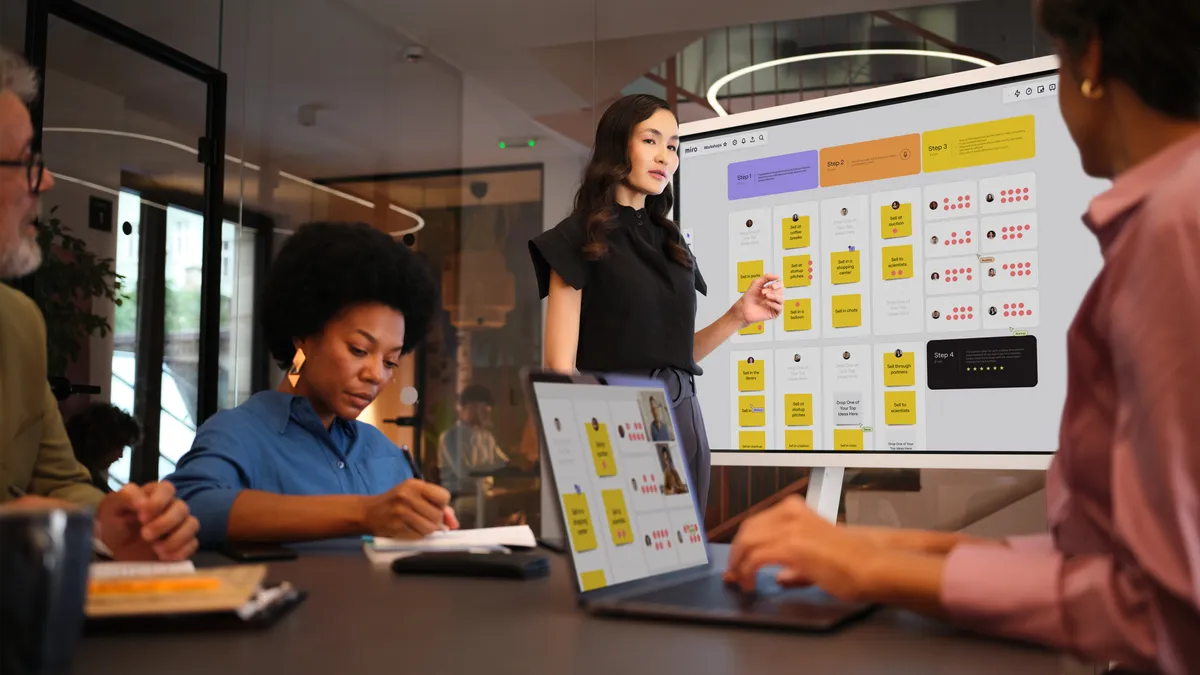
[[712, 594]]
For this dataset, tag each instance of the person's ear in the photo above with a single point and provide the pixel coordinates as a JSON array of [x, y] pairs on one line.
[[1090, 70]]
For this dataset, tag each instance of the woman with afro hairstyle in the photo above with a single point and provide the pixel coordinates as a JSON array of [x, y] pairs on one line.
[[341, 304]]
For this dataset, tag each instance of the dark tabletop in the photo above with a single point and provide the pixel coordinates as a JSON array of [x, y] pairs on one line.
[[363, 619]]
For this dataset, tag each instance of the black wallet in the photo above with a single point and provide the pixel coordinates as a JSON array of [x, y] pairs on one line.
[[515, 565]]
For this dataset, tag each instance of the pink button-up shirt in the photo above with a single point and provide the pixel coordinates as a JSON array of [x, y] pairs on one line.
[[1118, 577]]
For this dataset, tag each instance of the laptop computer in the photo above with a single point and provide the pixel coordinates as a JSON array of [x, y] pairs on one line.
[[632, 528]]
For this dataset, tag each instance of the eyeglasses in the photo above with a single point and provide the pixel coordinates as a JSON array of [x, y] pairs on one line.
[[34, 167]]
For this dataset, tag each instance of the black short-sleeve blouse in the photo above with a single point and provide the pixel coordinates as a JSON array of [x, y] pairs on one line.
[[638, 310]]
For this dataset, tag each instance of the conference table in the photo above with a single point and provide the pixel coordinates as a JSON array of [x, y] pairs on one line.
[[360, 618]]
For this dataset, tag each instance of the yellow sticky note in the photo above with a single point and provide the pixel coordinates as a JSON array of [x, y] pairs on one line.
[[751, 375], [897, 262], [583, 535], [847, 311], [747, 272], [899, 370], [602, 455], [895, 220], [798, 439], [752, 411], [795, 232], [995, 142], [843, 267], [752, 440], [592, 580], [798, 409], [900, 408], [618, 517], [753, 329], [797, 271], [797, 314], [848, 439]]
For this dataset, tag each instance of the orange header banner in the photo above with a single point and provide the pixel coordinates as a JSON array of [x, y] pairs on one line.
[[871, 160]]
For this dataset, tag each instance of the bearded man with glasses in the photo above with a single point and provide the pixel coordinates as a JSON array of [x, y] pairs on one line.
[[38, 468]]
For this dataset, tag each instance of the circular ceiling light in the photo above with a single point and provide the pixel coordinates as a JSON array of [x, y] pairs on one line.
[[716, 86]]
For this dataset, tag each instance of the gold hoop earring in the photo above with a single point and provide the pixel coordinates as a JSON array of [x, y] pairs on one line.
[[1092, 91]]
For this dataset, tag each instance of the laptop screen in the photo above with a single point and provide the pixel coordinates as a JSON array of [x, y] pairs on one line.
[[621, 479]]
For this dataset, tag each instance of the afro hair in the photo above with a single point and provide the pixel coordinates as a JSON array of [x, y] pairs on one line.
[[326, 268]]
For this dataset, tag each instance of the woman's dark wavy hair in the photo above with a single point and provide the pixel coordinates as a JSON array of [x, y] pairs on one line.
[[1153, 47], [596, 200], [325, 268]]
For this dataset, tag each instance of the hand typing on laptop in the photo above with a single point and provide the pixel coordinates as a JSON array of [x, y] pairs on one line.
[[845, 563]]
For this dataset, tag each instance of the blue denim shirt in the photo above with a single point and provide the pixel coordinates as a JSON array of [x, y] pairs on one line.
[[274, 442]]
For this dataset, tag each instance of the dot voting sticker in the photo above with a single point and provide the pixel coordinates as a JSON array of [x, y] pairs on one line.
[[895, 220], [950, 200], [590, 581], [952, 313], [752, 411], [747, 272], [753, 329], [953, 238], [847, 311], [797, 271], [847, 439], [798, 409], [583, 535], [900, 408], [658, 542], [946, 276], [602, 455], [798, 439], [1011, 309], [751, 375], [899, 371], [843, 267], [795, 232], [752, 440], [618, 517], [797, 314], [1008, 193], [1005, 271], [1010, 232], [897, 262]]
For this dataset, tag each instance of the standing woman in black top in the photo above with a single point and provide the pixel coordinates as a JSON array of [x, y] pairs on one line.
[[621, 281]]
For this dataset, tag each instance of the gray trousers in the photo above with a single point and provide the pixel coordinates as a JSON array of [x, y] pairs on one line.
[[693, 440]]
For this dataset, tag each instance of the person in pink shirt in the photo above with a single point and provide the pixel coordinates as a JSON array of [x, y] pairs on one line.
[[1117, 579]]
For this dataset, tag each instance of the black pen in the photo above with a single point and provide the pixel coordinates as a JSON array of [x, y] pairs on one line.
[[411, 464], [15, 491]]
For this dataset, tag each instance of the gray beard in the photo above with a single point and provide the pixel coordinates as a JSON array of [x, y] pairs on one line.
[[21, 260]]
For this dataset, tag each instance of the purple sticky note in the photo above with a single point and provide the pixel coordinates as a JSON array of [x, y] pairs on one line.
[[774, 175]]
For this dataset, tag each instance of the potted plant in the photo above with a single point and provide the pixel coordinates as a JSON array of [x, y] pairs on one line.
[[70, 279]]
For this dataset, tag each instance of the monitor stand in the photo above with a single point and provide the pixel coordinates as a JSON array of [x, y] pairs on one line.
[[825, 491]]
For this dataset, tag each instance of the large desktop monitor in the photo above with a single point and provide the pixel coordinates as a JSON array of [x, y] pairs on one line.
[[928, 240]]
